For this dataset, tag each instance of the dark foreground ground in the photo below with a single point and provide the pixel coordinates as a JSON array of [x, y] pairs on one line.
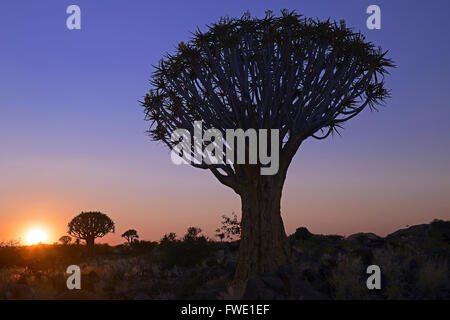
[[414, 264]]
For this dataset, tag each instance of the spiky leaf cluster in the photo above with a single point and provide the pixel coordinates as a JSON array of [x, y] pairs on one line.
[[302, 76]]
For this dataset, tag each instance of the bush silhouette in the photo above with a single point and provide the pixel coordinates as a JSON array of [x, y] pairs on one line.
[[189, 251]]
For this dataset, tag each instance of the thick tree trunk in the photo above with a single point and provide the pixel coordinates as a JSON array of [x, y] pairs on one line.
[[90, 246], [264, 245]]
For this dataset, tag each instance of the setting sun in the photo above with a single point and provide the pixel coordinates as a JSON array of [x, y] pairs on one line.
[[36, 236]]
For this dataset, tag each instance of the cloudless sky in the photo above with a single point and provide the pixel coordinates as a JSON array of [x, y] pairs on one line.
[[72, 135]]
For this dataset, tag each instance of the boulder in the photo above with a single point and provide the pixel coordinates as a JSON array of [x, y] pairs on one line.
[[302, 234], [297, 287], [363, 236], [257, 289], [282, 285]]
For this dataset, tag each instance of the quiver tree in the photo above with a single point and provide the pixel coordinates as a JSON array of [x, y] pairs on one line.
[[130, 236], [90, 225], [301, 76], [65, 240]]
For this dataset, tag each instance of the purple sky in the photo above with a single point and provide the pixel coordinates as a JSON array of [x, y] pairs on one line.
[[72, 135]]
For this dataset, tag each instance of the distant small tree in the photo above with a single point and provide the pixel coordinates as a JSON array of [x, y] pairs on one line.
[[230, 229], [192, 234], [131, 236], [168, 239], [90, 225], [65, 240]]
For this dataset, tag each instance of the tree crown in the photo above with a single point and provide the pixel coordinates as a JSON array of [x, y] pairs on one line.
[[91, 225], [130, 233], [302, 76]]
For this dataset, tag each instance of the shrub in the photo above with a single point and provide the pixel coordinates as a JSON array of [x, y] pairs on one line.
[[190, 251]]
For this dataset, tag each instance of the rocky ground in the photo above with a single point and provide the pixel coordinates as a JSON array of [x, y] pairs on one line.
[[414, 264]]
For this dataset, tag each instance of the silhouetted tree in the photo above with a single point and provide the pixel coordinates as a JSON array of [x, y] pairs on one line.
[[192, 234], [65, 240], [90, 225], [130, 235], [301, 76], [168, 239], [230, 229]]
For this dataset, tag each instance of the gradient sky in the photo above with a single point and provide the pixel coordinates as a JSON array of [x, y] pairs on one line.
[[72, 135]]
